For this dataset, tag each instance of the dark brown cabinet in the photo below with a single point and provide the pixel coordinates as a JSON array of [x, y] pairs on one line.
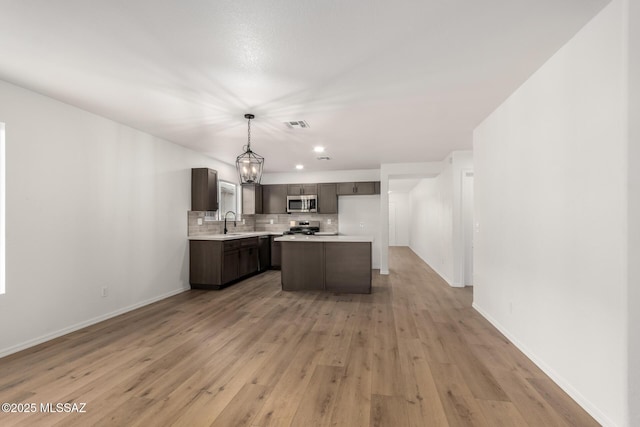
[[358, 188], [248, 256], [274, 199], [251, 199], [327, 199], [329, 266], [275, 253], [230, 266], [308, 270], [348, 267], [302, 189], [204, 189], [213, 264]]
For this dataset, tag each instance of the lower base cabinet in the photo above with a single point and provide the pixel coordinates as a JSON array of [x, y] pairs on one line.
[[341, 267], [347, 267], [214, 264], [248, 261], [308, 271]]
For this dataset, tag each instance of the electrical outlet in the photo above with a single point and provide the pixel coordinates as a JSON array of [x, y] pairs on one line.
[[105, 291], [329, 221], [271, 221], [199, 221], [243, 222]]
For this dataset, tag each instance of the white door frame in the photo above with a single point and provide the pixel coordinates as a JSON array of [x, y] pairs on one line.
[[466, 223]]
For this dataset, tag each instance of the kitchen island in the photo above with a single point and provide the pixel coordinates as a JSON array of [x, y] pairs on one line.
[[327, 263]]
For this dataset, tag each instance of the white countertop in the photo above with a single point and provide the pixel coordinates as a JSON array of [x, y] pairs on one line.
[[317, 239], [233, 236]]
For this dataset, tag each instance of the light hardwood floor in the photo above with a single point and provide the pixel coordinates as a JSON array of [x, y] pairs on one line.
[[413, 353]]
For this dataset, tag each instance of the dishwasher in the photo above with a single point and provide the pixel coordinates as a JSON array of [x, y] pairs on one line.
[[264, 253]]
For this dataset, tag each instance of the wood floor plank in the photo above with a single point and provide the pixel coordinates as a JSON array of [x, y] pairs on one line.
[[283, 401], [388, 411], [459, 404], [386, 359], [413, 352], [569, 410], [339, 337], [353, 404], [478, 378], [501, 414], [243, 407], [433, 344], [316, 406], [420, 391]]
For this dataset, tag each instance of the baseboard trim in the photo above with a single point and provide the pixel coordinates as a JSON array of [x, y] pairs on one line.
[[56, 334], [558, 379]]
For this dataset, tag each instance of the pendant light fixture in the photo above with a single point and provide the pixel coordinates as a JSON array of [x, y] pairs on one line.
[[249, 164]]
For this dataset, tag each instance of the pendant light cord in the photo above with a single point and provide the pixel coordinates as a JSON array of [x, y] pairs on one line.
[[249, 135]]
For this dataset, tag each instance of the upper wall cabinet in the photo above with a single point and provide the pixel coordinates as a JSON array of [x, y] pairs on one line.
[[274, 199], [251, 199], [327, 199], [299, 189], [358, 188], [204, 189]]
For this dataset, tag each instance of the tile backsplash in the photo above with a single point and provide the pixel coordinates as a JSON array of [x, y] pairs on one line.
[[281, 221], [257, 223], [217, 227]]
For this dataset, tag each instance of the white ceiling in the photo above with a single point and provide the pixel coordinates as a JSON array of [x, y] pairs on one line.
[[378, 81]]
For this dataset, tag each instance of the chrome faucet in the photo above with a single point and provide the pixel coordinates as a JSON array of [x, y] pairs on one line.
[[225, 220]]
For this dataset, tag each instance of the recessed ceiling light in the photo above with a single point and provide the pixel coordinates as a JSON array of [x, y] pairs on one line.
[[299, 167], [318, 149]]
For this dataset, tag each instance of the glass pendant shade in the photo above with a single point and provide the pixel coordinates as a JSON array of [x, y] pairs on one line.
[[249, 164]]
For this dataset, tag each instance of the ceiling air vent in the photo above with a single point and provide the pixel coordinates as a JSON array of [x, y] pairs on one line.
[[324, 158], [297, 124]]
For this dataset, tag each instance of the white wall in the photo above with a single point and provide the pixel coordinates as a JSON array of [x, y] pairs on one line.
[[358, 216], [436, 219], [90, 204], [550, 206], [399, 202], [633, 168], [432, 223]]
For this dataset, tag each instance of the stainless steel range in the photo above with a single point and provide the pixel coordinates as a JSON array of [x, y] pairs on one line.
[[304, 227]]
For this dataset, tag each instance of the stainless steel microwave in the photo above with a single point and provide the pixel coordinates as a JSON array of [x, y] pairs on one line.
[[302, 204]]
